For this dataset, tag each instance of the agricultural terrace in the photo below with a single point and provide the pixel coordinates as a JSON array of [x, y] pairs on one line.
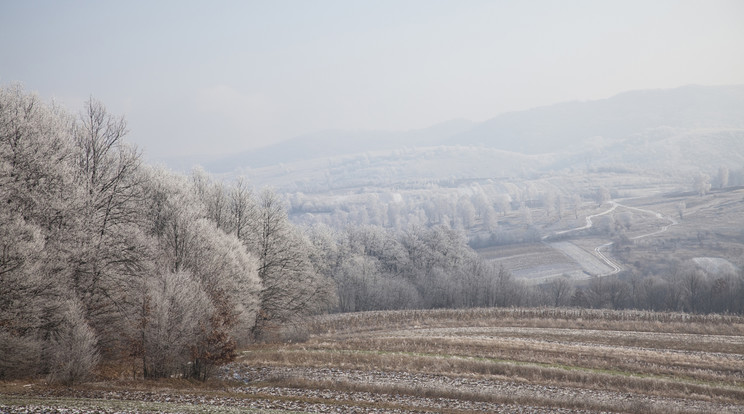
[[453, 361]]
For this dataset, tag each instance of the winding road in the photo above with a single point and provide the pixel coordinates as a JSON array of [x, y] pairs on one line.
[[616, 267]]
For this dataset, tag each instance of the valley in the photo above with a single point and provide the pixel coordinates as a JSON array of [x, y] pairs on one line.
[[408, 207]]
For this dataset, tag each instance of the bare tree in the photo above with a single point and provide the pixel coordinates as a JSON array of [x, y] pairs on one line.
[[723, 177], [526, 214], [110, 248], [701, 183], [24, 295], [503, 201], [291, 289], [625, 219], [507, 293], [72, 352], [560, 291], [681, 207], [560, 206], [490, 219], [694, 287], [243, 212], [36, 153], [229, 275], [176, 311], [213, 195], [549, 200], [602, 196], [466, 212], [576, 204], [189, 242], [37, 203]]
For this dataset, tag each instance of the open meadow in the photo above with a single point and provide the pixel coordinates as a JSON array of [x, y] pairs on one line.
[[451, 361]]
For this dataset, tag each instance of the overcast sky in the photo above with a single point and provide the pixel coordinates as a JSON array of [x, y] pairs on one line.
[[216, 77]]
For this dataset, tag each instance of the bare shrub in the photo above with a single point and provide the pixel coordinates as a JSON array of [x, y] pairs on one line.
[[175, 314], [72, 351]]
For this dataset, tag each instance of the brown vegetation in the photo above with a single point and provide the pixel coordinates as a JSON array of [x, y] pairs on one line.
[[686, 360], [476, 360]]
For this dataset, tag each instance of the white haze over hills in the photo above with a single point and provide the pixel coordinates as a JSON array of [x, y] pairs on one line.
[[572, 125], [333, 143], [691, 128]]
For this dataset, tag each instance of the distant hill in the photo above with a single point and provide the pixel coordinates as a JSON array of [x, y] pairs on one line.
[[334, 143], [673, 149], [683, 129], [393, 168], [568, 126]]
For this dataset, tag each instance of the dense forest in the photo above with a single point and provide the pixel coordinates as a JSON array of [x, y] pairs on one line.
[[105, 259]]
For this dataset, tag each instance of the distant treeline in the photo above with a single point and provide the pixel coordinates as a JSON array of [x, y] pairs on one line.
[[427, 268], [419, 268]]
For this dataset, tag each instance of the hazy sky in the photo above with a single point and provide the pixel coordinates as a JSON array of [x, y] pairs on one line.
[[216, 77]]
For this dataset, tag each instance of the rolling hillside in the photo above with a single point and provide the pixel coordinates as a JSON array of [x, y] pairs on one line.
[[682, 130], [572, 125]]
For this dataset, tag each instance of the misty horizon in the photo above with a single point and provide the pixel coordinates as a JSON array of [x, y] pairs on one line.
[[423, 129], [195, 79]]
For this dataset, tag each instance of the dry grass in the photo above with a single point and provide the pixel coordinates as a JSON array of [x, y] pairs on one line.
[[509, 370], [601, 319], [460, 361], [498, 398], [638, 361], [656, 355]]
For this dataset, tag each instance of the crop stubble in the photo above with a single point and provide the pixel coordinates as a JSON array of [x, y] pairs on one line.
[[596, 360], [478, 360]]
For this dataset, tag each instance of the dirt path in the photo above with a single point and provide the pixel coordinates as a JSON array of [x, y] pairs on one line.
[[616, 266], [672, 221], [586, 261], [589, 222]]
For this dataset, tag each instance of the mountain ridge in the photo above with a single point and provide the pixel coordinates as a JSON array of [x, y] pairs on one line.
[[569, 128], [568, 125], [332, 143]]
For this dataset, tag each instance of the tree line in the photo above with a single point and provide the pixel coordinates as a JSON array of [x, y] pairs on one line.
[[418, 268], [434, 267], [104, 258]]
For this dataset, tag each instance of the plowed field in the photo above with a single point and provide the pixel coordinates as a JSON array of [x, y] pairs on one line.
[[482, 360]]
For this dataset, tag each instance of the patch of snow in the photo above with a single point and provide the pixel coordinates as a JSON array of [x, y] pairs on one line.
[[715, 265]]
